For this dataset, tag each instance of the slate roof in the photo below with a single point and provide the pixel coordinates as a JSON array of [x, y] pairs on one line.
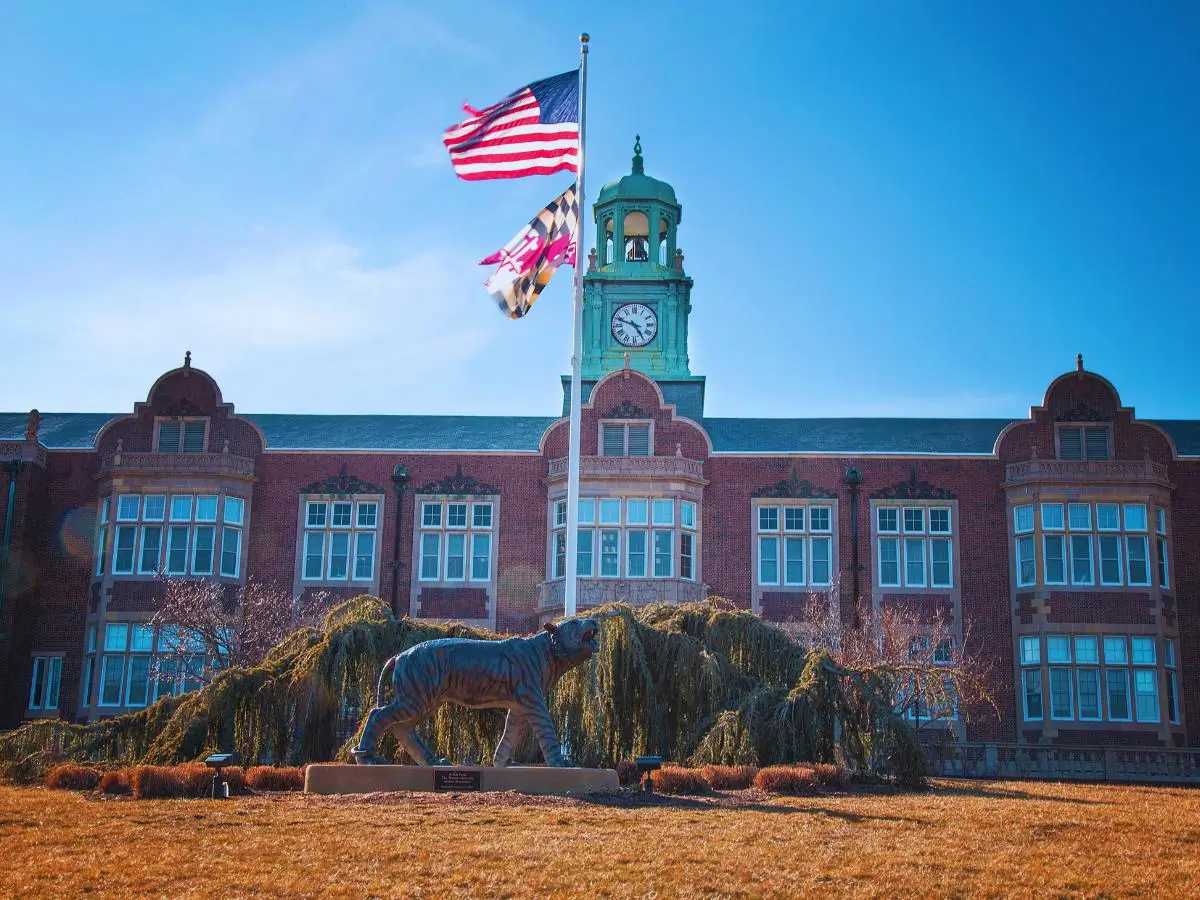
[[77, 431], [854, 436]]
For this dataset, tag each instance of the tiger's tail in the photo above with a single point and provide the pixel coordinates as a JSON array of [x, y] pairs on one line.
[[384, 677]]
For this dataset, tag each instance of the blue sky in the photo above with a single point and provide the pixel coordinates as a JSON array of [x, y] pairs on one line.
[[914, 209]]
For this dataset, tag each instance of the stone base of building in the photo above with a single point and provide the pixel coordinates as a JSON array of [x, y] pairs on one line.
[[339, 778]]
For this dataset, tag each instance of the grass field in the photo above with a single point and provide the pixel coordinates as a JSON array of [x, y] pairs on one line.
[[959, 839]]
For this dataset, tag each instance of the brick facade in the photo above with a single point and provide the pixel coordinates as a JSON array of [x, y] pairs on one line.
[[52, 594]]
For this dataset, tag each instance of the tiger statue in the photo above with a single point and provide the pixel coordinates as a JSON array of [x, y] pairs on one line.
[[514, 674]]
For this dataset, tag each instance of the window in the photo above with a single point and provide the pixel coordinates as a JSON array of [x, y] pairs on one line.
[[1088, 539], [794, 544], [1060, 693], [1053, 560], [1026, 570], [89, 666], [338, 538], [1097, 684], [1083, 442], [455, 541], [231, 537], [127, 665], [1118, 694], [924, 555], [639, 537], [1031, 682], [181, 435], [625, 439], [176, 535], [1031, 650], [45, 683], [1172, 685]]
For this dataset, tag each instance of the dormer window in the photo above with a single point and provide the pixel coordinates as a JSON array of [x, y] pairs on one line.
[[1083, 442], [625, 439], [177, 435]]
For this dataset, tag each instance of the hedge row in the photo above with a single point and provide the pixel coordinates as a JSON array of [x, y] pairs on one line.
[[187, 780], [797, 779]]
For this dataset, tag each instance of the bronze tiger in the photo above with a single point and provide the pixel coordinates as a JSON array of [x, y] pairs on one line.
[[514, 674]]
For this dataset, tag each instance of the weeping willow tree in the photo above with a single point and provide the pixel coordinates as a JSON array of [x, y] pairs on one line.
[[698, 683]]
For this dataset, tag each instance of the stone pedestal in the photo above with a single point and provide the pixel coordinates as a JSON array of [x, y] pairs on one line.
[[339, 778]]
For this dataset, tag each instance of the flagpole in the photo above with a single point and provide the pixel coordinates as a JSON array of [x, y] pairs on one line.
[[570, 604]]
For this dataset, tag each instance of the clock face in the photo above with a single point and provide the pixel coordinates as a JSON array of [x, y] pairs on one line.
[[634, 325]]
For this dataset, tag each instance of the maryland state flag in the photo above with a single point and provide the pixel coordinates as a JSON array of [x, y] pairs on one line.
[[528, 261]]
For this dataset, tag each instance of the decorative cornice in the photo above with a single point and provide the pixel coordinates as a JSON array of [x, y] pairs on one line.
[[458, 483], [1083, 413], [912, 490], [183, 407], [342, 484], [626, 410], [796, 487]]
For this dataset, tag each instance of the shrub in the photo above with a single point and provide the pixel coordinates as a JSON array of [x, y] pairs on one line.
[[729, 778], [275, 778], [70, 777], [830, 775], [628, 772], [678, 780], [786, 779], [156, 782], [115, 781], [799, 779]]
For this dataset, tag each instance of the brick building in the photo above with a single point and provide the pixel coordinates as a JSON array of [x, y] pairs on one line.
[[1069, 540]]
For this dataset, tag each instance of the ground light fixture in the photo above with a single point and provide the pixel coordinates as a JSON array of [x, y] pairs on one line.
[[646, 765], [218, 761]]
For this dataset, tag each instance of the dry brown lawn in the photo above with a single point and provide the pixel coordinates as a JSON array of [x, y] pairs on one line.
[[960, 839]]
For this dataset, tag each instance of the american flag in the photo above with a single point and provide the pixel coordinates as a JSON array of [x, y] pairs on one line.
[[528, 261], [533, 131]]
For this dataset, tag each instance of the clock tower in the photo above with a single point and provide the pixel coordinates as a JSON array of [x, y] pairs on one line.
[[637, 297]]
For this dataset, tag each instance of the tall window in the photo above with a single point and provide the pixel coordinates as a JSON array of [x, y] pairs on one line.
[[628, 537], [45, 683], [1098, 677], [625, 439], [127, 664], [1083, 442], [915, 545], [1160, 543], [175, 534], [181, 435], [340, 539], [794, 544], [456, 540], [1086, 544]]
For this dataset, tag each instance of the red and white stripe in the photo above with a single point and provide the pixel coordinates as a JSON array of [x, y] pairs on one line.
[[508, 140]]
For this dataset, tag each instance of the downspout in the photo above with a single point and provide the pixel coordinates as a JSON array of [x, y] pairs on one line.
[[13, 468], [400, 483], [853, 481]]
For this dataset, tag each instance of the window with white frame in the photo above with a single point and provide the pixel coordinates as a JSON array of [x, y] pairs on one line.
[[794, 544], [45, 682], [180, 435], [127, 670], [1085, 544], [456, 539], [625, 439], [628, 537], [340, 538], [1083, 442], [1162, 556], [1094, 678], [914, 545], [175, 534]]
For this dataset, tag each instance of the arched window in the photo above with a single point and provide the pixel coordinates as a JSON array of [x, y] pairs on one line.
[[663, 228], [637, 237], [608, 242]]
